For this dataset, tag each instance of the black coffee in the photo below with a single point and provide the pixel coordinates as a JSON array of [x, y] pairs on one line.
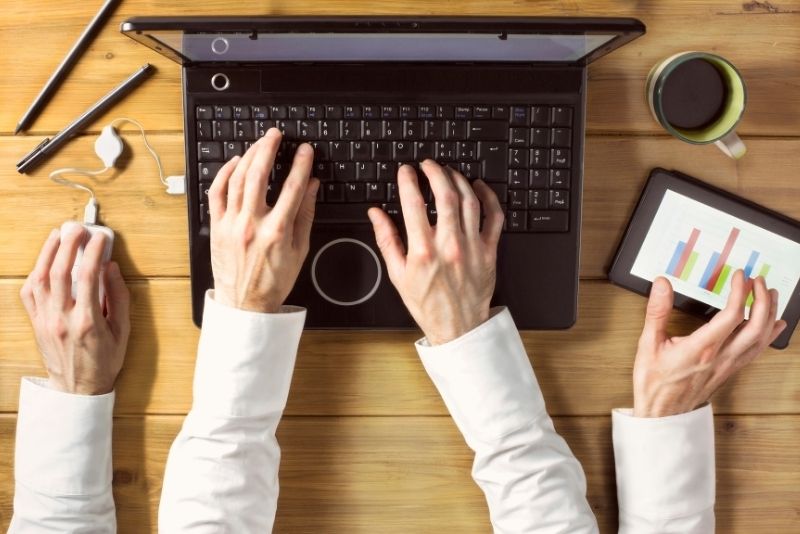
[[694, 95]]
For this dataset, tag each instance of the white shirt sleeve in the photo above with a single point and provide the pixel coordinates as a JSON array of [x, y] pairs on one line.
[[62, 468], [531, 480], [222, 469], [665, 472]]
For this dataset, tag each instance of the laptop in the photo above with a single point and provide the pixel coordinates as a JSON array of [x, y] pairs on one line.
[[501, 99]]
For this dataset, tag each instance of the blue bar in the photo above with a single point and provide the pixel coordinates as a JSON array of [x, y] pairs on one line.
[[709, 270], [675, 259], [751, 263]]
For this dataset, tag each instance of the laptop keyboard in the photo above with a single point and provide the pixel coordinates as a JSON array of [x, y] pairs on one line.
[[521, 152]]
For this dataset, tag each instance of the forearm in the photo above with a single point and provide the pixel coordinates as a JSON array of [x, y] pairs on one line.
[[63, 462], [665, 472], [222, 470], [532, 481]]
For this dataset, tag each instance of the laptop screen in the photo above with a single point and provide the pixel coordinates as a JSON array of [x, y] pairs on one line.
[[363, 39], [382, 47]]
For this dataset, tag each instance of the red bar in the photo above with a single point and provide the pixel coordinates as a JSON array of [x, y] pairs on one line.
[[687, 251], [722, 259]]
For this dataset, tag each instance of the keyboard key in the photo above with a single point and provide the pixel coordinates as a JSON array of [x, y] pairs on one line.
[[321, 150], [487, 130], [412, 130], [466, 150], [355, 192], [434, 130], [395, 212], [388, 112], [244, 131], [338, 213], [518, 178], [233, 148], [339, 150], [481, 112], [322, 171], [352, 112], [308, 129], [463, 112], [548, 221], [344, 171], [424, 150], [205, 214], [392, 193], [408, 112], [537, 199], [278, 112], [444, 112], [538, 179], [260, 112], [495, 160], [223, 112], [518, 158], [209, 151], [328, 130], [455, 129], [371, 112], [392, 130], [519, 116], [538, 158], [361, 151], [288, 128], [517, 199], [387, 171], [334, 192], [350, 129], [559, 158], [540, 116], [366, 171], [559, 200], [519, 137], [204, 193], [241, 112], [540, 137], [500, 112], [280, 170], [371, 130], [432, 213], [334, 112], [261, 127], [426, 112], [223, 130], [562, 137], [204, 131], [376, 192], [208, 171], [204, 112], [315, 112], [562, 116], [381, 151], [501, 190], [403, 151], [470, 169], [445, 151], [516, 220], [559, 179]]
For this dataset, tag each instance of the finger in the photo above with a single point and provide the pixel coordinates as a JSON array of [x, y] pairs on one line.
[[26, 296], [493, 212], [772, 319], [218, 192], [659, 307], [256, 178], [40, 276], [236, 183], [388, 239], [414, 210], [445, 196], [87, 295], [779, 327], [72, 237], [295, 186], [759, 324], [722, 325], [470, 207], [305, 217], [117, 301]]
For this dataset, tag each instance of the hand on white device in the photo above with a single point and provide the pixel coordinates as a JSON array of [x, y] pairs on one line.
[[82, 341], [91, 230]]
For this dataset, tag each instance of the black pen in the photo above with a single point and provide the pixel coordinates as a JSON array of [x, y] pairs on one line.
[[66, 65], [47, 147]]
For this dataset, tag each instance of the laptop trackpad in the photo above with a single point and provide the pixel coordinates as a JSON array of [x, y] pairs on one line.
[[346, 271]]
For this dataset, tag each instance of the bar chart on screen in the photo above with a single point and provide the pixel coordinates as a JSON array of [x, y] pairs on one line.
[[698, 248]]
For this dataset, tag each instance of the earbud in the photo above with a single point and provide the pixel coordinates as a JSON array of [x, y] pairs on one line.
[[108, 146]]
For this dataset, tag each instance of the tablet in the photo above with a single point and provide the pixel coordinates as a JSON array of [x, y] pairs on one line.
[[697, 236]]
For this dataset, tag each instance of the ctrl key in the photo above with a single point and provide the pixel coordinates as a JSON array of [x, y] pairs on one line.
[[548, 221]]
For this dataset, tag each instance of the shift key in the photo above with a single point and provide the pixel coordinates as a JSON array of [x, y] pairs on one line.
[[548, 221], [494, 156]]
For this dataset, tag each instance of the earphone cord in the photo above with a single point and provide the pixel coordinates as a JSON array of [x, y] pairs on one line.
[[150, 149]]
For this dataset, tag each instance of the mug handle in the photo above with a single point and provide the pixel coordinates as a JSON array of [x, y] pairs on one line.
[[731, 145]]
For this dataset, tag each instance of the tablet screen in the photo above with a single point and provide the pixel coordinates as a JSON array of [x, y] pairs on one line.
[[698, 248]]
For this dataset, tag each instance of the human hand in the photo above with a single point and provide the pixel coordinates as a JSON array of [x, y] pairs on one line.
[[257, 251], [83, 343], [447, 278], [674, 375]]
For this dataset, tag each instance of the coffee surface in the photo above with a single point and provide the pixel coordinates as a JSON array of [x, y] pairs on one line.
[[694, 95]]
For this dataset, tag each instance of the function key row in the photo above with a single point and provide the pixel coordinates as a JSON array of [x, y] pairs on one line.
[[517, 115]]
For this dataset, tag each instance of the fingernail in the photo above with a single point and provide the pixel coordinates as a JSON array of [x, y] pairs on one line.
[[305, 149], [661, 286]]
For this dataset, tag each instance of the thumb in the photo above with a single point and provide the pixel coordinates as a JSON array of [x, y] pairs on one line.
[[659, 307], [388, 240], [117, 301]]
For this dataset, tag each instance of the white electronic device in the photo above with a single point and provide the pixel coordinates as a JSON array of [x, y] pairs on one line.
[[91, 229]]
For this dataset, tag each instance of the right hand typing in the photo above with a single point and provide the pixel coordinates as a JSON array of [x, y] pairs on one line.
[[257, 251], [447, 278]]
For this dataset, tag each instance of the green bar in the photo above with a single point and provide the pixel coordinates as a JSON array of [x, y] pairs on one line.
[[764, 270], [749, 300], [723, 277], [687, 270]]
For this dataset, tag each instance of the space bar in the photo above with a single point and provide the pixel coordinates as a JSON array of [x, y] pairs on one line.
[[342, 213]]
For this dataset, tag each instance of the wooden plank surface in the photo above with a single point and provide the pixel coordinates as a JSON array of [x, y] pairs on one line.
[[152, 236], [767, 57], [378, 373], [366, 474]]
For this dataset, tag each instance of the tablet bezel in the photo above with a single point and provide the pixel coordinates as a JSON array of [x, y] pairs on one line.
[[658, 183]]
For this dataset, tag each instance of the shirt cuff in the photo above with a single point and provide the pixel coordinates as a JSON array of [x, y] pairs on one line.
[[245, 359], [485, 379], [665, 466], [63, 440]]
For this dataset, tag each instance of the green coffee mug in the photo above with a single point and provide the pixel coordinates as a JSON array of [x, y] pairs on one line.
[[721, 130]]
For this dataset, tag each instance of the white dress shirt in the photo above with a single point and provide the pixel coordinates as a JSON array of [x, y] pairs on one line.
[[222, 470]]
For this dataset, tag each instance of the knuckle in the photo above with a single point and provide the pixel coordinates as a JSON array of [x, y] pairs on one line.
[[26, 291], [38, 279], [84, 324], [57, 327], [472, 204], [449, 197], [58, 272]]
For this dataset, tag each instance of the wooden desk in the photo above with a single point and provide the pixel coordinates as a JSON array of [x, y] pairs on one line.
[[367, 443]]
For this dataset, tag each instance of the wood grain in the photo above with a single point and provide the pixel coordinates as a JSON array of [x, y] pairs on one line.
[[152, 236], [371, 474], [762, 39], [585, 370]]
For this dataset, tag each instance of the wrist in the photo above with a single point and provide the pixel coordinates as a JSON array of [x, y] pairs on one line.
[[77, 387], [441, 334], [259, 305]]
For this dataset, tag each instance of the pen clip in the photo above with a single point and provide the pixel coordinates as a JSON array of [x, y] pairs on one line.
[[33, 152]]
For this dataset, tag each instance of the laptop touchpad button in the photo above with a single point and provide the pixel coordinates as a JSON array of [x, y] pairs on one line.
[[346, 272]]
